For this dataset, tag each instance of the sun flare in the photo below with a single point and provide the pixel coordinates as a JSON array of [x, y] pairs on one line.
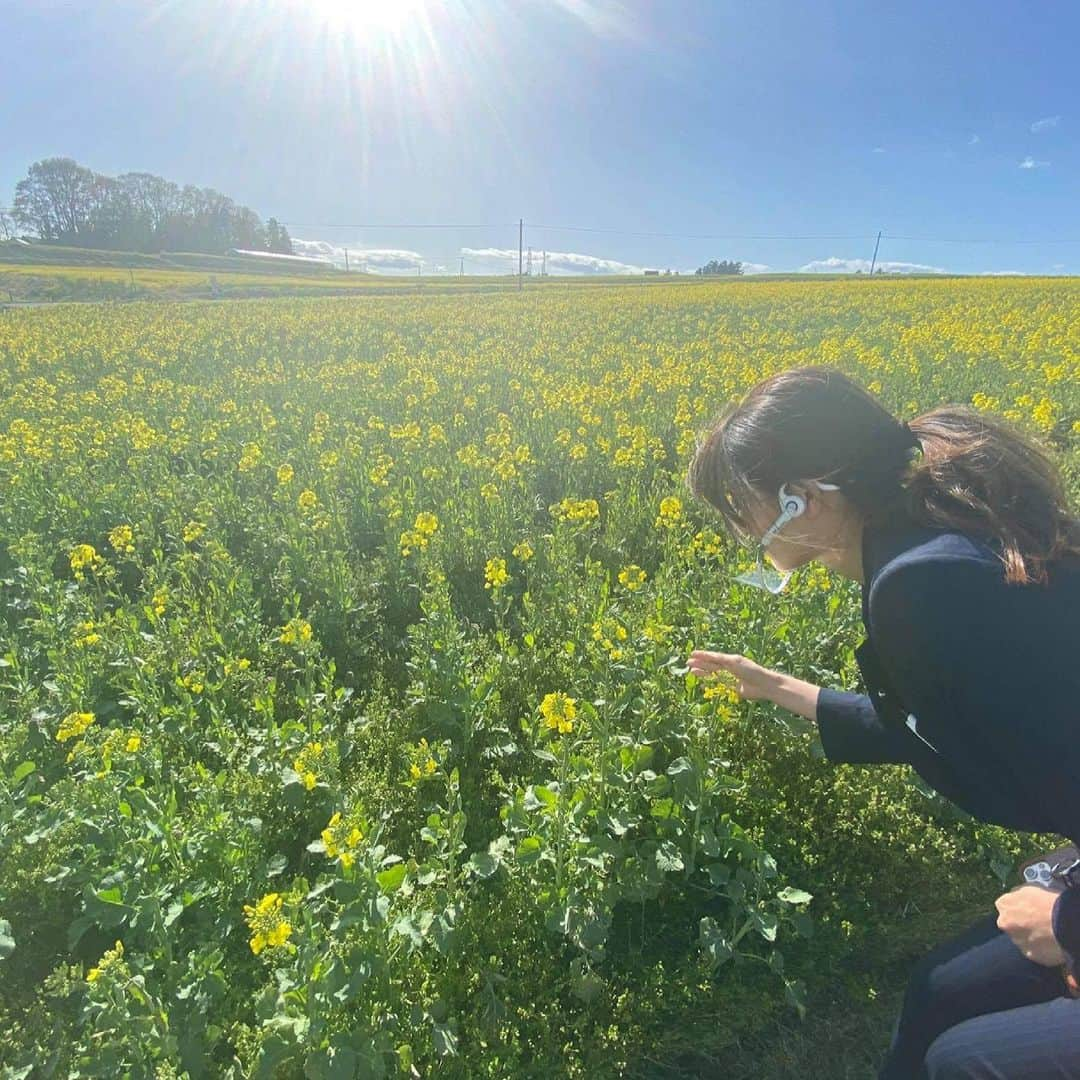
[[368, 16]]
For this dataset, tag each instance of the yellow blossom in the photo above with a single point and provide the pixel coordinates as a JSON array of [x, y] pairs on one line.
[[268, 925], [73, 725], [339, 837], [122, 539], [559, 711], [495, 575], [83, 555], [670, 512], [113, 960], [294, 631], [426, 523]]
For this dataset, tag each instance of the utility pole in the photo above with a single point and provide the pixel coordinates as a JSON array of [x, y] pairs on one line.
[[528, 265], [521, 240], [873, 261], [346, 260], [462, 273], [543, 266]]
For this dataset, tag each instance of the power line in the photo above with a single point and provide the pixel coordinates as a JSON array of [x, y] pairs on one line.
[[424, 225], [695, 236], [703, 236]]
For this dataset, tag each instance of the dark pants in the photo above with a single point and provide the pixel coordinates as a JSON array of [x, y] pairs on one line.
[[977, 1009]]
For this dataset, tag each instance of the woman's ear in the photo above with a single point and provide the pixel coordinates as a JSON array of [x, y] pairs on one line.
[[811, 496]]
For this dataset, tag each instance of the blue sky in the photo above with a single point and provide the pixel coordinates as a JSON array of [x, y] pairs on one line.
[[772, 118]]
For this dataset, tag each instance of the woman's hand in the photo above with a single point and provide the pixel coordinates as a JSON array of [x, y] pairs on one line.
[[754, 682], [1024, 914]]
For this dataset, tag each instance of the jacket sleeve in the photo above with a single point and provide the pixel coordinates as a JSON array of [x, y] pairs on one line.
[[852, 732], [1065, 920], [994, 690]]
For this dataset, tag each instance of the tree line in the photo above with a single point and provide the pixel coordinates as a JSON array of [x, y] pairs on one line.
[[722, 267], [65, 202]]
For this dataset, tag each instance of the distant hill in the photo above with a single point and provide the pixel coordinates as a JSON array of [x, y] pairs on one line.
[[22, 253]]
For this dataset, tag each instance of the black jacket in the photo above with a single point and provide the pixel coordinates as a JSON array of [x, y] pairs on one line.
[[973, 682]]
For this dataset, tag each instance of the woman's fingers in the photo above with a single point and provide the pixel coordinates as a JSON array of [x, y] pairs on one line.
[[703, 662]]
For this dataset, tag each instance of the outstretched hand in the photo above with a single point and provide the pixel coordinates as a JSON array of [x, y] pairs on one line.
[[753, 682]]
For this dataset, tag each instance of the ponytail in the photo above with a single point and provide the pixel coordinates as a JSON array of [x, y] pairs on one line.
[[982, 476]]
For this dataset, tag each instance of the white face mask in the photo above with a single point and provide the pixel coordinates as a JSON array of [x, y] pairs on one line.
[[764, 577]]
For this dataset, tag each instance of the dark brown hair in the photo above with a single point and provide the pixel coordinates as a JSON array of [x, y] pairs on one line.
[[976, 473]]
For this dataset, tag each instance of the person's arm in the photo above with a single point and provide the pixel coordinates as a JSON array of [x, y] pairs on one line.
[[852, 732]]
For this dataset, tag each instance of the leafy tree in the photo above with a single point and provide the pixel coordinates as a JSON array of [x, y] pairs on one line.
[[55, 200], [65, 202], [277, 238], [723, 267]]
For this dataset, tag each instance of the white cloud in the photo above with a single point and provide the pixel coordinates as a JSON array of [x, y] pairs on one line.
[[974, 140], [1002, 273], [558, 262], [372, 259], [878, 150], [1046, 123], [1030, 163], [834, 265], [755, 268]]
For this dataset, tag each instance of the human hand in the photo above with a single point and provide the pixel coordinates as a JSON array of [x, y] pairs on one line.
[[753, 682], [1024, 913]]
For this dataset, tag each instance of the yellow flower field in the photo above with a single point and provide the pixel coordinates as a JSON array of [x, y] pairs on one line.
[[345, 728]]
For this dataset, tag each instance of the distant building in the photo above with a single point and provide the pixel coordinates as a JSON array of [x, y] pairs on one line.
[[652, 273]]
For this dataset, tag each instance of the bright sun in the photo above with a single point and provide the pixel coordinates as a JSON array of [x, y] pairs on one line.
[[369, 15]]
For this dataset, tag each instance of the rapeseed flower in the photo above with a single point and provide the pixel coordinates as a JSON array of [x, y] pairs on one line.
[[495, 575], [294, 631], [339, 837], [83, 555], [559, 712], [113, 960], [268, 925], [670, 515], [73, 725], [122, 539]]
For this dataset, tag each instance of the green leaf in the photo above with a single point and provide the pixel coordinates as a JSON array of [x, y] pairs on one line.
[[529, 850], [390, 880], [795, 992], [23, 770], [7, 942], [716, 945], [446, 1042], [668, 857], [482, 864], [794, 896], [766, 924]]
